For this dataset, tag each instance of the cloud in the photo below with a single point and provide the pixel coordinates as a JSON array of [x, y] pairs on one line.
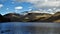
[[58, 10], [42, 3], [30, 10], [1, 5], [18, 7], [7, 8], [50, 10]]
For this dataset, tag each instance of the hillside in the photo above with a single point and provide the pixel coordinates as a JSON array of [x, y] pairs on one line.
[[30, 17], [42, 17], [14, 17], [33, 17], [53, 18], [3, 19]]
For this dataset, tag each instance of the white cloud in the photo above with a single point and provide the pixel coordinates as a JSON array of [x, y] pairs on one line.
[[7, 8], [48, 4], [54, 9], [30, 10], [18, 7], [57, 10], [43, 3], [34, 12], [49, 10], [1, 5]]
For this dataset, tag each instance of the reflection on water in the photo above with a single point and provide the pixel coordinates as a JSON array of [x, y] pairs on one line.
[[29, 28]]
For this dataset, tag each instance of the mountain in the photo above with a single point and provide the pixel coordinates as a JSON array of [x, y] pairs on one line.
[[13, 17], [41, 17], [30, 17], [57, 17], [35, 17], [54, 18], [3, 19]]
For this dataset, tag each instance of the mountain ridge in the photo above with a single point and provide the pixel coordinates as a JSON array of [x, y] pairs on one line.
[[30, 17]]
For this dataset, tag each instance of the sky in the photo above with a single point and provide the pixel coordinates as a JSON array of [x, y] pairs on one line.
[[19, 6]]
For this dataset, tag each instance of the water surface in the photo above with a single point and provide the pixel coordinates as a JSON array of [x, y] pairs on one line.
[[29, 28]]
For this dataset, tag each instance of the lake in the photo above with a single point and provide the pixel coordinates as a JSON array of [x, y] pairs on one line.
[[29, 28]]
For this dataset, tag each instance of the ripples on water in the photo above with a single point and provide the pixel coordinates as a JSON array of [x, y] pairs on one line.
[[29, 28]]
